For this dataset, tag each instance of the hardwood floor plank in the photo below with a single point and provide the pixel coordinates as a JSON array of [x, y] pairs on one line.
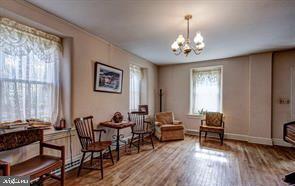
[[187, 163]]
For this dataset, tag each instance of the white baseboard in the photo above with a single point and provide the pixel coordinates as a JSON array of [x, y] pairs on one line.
[[239, 137], [260, 140], [250, 139], [191, 132]]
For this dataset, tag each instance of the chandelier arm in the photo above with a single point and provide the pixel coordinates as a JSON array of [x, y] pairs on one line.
[[186, 46], [177, 53], [196, 51], [180, 50]]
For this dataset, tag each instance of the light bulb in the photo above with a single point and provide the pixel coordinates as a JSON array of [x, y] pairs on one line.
[[180, 40], [198, 38], [200, 45], [174, 46], [186, 49]]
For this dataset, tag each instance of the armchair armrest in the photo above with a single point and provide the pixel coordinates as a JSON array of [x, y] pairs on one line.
[[100, 131], [158, 123], [5, 167], [51, 146], [176, 122], [203, 121], [55, 147]]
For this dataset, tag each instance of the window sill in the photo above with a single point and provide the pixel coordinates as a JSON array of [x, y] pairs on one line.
[[195, 116]]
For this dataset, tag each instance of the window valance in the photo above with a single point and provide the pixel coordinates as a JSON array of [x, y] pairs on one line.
[[29, 73], [19, 39]]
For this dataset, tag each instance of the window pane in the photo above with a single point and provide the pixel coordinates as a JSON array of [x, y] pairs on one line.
[[206, 90], [27, 88], [29, 74], [134, 92]]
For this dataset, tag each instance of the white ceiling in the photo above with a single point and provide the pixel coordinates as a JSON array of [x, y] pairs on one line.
[[147, 28]]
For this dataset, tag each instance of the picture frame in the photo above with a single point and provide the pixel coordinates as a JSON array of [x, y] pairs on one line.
[[144, 109], [107, 78]]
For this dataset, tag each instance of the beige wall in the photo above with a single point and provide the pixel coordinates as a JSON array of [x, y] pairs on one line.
[[283, 63], [252, 86], [86, 49], [260, 83], [175, 82]]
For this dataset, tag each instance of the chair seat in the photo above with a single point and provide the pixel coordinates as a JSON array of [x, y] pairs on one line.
[[207, 128], [167, 127], [35, 166], [97, 146]]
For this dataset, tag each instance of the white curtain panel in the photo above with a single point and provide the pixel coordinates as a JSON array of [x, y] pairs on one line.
[[206, 90], [134, 90], [29, 73]]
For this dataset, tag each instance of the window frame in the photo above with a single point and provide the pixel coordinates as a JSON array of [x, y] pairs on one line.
[[140, 88], [191, 86]]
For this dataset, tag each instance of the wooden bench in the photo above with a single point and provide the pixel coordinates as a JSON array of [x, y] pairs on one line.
[[39, 167]]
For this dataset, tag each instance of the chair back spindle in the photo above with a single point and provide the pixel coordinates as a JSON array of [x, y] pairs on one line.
[[84, 127], [139, 120]]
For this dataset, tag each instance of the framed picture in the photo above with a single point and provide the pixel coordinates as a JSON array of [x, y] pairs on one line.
[[143, 109], [107, 78]]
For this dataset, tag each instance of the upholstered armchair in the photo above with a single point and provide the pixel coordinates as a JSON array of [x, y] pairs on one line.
[[212, 123], [166, 128]]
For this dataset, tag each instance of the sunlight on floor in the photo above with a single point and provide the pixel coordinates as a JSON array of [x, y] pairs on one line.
[[211, 155]]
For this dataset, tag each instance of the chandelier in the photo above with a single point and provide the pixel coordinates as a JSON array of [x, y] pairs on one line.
[[182, 45]]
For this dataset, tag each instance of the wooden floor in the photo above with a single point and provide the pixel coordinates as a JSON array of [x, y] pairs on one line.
[[187, 163]]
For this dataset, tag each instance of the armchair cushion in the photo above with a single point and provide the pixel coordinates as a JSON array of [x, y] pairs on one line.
[[171, 127], [165, 117], [214, 119], [206, 128], [176, 122]]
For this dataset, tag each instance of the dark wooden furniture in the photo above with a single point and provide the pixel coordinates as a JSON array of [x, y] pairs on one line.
[[289, 136], [40, 166], [289, 132], [118, 127], [140, 130], [84, 127], [212, 123]]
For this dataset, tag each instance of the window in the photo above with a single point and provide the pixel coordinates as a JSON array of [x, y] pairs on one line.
[[206, 91], [135, 87], [29, 78]]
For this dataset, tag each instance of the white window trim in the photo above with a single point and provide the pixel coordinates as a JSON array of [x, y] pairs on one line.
[[190, 114]]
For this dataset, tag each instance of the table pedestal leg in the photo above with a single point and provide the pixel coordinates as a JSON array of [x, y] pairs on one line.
[[118, 145]]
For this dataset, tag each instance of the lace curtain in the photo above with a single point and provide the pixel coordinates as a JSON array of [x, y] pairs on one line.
[[206, 90], [134, 86], [29, 78]]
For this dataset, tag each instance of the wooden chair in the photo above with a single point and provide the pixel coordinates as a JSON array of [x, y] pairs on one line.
[[84, 127], [40, 166], [140, 130], [212, 123]]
